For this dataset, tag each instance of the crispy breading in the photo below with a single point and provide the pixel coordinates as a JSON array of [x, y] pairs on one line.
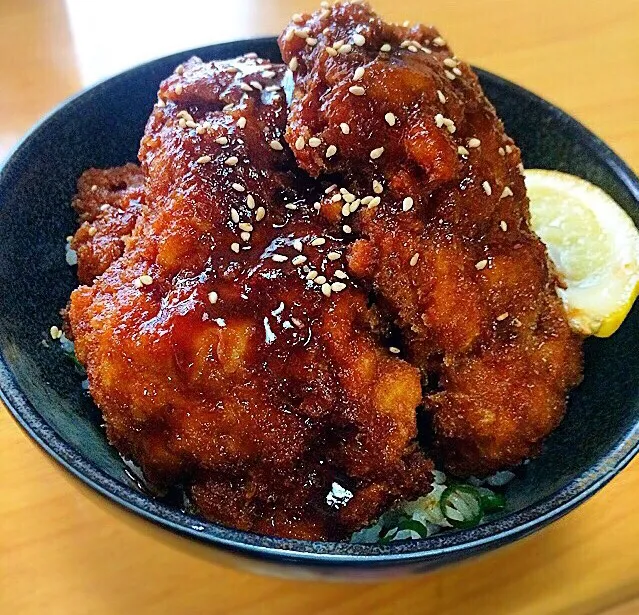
[[214, 357], [448, 250]]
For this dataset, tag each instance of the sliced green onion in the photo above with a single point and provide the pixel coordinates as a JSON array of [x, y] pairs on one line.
[[461, 505], [490, 501], [414, 526]]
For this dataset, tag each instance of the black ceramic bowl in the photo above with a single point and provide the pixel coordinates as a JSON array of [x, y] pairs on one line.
[[101, 127]]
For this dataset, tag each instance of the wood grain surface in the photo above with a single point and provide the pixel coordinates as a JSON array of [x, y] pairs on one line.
[[63, 549]]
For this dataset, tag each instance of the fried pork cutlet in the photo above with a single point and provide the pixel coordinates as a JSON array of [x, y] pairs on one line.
[[226, 347], [442, 216], [108, 203]]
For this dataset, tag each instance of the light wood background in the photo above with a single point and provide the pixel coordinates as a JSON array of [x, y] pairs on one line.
[[65, 550]]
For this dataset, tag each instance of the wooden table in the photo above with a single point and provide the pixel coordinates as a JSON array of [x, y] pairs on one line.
[[65, 550]]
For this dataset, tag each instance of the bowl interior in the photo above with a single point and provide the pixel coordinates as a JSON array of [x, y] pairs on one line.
[[101, 128]]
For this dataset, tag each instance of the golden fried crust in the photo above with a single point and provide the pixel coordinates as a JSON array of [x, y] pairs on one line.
[[108, 203], [213, 357], [447, 250]]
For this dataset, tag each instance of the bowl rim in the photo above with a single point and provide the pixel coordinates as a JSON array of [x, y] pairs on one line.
[[444, 546]]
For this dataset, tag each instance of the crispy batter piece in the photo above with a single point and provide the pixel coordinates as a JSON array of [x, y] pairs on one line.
[[227, 348], [108, 203], [443, 218]]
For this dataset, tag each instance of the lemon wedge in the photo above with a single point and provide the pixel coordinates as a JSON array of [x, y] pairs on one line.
[[593, 244]]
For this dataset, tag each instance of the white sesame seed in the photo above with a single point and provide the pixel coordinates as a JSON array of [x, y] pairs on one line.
[[291, 206], [426, 50], [326, 289], [385, 48], [298, 245], [241, 122], [268, 74], [317, 206], [509, 149], [414, 259], [300, 143], [377, 187], [260, 212], [407, 203], [503, 226], [439, 120], [450, 62], [376, 153], [235, 247], [293, 64], [330, 188], [502, 316], [311, 275], [160, 103], [450, 125], [366, 200], [487, 189], [257, 85], [191, 124], [290, 33], [276, 145], [55, 333], [146, 279], [319, 280], [341, 274], [337, 44], [314, 142], [104, 207], [235, 216], [318, 241], [346, 210], [185, 114], [337, 287], [474, 142], [92, 231], [438, 41], [357, 90], [413, 48], [358, 39], [440, 95], [212, 296], [394, 349], [336, 197], [354, 205], [246, 87], [301, 33], [374, 202], [200, 130], [333, 256], [250, 201], [182, 123], [222, 140], [137, 283], [94, 188], [359, 73], [330, 51], [449, 75], [246, 226], [311, 42], [462, 151], [344, 49], [404, 44], [299, 260], [179, 89], [227, 108], [203, 159], [279, 258], [479, 265], [238, 187], [347, 229], [345, 128], [231, 161], [506, 192], [272, 88], [520, 168], [502, 151], [390, 119], [245, 236], [331, 150]]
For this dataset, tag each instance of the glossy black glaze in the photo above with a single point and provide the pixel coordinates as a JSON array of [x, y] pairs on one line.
[[101, 127]]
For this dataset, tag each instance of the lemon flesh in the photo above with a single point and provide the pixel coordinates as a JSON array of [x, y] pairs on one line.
[[593, 244]]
